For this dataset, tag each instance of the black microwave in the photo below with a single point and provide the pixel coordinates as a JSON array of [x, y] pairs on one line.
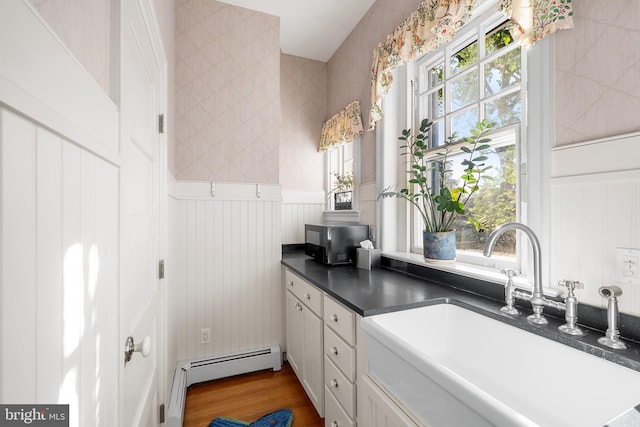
[[334, 243]]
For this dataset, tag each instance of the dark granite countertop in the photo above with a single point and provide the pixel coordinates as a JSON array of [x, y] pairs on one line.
[[400, 286], [366, 292]]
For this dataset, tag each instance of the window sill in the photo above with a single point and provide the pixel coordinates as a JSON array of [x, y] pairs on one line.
[[468, 270], [341, 216]]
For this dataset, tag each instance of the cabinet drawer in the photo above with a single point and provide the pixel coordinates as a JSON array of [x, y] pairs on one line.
[[307, 293], [334, 415], [343, 389], [340, 319], [340, 353]]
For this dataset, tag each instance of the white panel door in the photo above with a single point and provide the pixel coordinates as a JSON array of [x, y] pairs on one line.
[[141, 100]]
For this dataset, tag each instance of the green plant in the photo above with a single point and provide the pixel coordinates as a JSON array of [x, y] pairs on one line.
[[343, 182], [440, 199]]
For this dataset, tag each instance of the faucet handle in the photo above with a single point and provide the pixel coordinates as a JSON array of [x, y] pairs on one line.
[[510, 273], [571, 285], [509, 289]]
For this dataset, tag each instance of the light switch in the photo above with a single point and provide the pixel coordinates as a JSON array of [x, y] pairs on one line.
[[627, 266]]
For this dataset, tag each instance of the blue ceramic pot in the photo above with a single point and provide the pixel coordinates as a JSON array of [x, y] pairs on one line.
[[439, 247]]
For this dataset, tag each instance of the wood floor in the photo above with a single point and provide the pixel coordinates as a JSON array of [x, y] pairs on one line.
[[248, 397]]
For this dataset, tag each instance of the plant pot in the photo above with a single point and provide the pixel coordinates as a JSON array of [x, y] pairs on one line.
[[342, 200], [439, 247]]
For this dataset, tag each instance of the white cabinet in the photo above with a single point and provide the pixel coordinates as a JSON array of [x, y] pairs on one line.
[[305, 337], [293, 314], [340, 364]]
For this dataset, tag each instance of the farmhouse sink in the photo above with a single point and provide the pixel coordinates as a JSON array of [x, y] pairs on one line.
[[452, 366]]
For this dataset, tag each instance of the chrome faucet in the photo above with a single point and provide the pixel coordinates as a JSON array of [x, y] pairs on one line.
[[537, 299]]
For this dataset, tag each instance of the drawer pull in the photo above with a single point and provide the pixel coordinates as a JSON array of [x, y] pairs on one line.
[[291, 283], [298, 306], [334, 317], [334, 424], [308, 296], [334, 350], [334, 383]]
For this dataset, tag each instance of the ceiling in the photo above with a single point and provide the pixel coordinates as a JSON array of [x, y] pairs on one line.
[[311, 29]]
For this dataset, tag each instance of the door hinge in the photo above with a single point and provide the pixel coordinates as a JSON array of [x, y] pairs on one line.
[[161, 414], [161, 269], [161, 123]]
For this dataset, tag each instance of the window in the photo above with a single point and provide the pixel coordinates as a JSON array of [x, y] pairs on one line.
[[340, 165], [477, 76]]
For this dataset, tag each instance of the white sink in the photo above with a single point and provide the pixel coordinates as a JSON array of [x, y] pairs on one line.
[[454, 367]]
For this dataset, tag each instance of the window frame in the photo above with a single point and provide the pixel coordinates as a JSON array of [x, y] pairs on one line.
[[474, 32], [328, 171], [392, 216]]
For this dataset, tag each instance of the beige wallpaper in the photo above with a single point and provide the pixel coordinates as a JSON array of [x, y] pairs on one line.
[[349, 69], [227, 93], [83, 26], [597, 71], [303, 100]]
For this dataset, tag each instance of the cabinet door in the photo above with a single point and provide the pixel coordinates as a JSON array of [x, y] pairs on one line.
[[312, 358], [294, 328]]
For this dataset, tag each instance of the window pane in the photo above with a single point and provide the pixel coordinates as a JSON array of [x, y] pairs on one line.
[[464, 57], [462, 123], [432, 105], [464, 90], [502, 72], [437, 136], [347, 152], [505, 110], [497, 39], [435, 75], [493, 205]]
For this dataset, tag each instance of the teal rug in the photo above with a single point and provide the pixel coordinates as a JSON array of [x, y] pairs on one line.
[[279, 418]]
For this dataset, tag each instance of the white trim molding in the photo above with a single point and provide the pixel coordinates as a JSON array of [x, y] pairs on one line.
[[303, 197], [605, 155], [209, 190]]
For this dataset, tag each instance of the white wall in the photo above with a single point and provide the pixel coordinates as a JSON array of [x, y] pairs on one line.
[[300, 208], [227, 270], [596, 206], [59, 270], [59, 226]]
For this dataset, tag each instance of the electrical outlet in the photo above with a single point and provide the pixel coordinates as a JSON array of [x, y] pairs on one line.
[[627, 266], [204, 336]]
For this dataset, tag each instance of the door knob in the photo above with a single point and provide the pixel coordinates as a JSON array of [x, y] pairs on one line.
[[143, 347]]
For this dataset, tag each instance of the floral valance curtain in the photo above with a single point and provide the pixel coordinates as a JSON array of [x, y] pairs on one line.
[[533, 20], [343, 127], [435, 23]]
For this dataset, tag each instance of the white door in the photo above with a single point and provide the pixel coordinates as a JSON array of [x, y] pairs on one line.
[[142, 97]]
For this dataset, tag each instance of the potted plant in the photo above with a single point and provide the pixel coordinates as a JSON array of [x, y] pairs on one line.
[[440, 199], [343, 190]]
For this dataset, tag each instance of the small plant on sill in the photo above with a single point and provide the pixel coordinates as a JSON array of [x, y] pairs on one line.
[[343, 190], [342, 182], [441, 202]]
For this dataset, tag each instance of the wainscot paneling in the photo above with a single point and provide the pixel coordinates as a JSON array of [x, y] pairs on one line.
[[596, 206], [368, 198], [227, 252], [59, 269], [300, 208], [59, 184]]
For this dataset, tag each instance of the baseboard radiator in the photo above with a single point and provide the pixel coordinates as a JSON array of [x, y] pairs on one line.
[[192, 371]]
